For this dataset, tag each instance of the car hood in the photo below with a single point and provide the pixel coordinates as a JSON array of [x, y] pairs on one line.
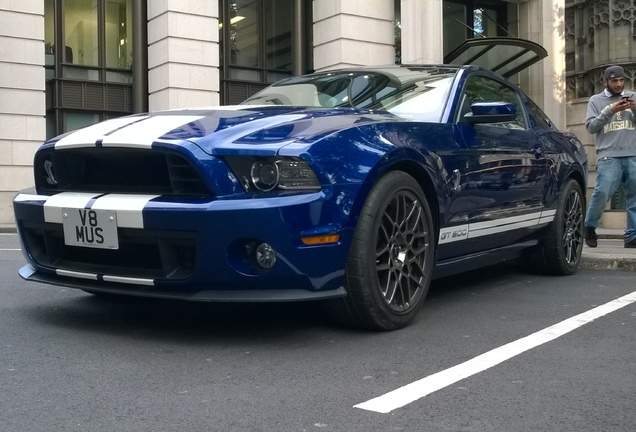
[[222, 130]]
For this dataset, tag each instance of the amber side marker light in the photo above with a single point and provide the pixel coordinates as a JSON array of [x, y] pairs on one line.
[[321, 239]]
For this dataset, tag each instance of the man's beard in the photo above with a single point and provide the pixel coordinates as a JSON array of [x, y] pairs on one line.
[[612, 92]]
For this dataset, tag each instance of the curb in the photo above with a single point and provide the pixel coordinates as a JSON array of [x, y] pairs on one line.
[[607, 263]]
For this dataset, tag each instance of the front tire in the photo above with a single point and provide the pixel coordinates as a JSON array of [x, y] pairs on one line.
[[390, 264]]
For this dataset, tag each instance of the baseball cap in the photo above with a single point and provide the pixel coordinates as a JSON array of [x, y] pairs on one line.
[[613, 71]]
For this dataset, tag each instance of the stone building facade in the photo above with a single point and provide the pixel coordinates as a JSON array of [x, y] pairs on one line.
[[208, 52]]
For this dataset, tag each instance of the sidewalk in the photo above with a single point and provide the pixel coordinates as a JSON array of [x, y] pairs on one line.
[[608, 255]]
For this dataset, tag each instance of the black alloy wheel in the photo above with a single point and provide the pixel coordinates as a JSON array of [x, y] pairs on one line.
[[391, 259]]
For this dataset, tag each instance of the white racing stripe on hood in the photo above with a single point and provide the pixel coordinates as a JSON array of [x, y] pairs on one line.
[[88, 136], [129, 208], [143, 134], [138, 132]]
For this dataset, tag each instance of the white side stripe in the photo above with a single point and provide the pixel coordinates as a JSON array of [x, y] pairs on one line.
[[496, 226], [547, 216], [488, 230]]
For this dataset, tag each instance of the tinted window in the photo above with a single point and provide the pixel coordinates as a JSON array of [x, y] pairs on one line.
[[538, 119], [483, 89]]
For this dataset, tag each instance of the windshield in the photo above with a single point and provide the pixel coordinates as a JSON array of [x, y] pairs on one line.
[[414, 93]]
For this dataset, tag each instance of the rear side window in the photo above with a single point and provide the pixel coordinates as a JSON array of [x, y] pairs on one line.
[[538, 119]]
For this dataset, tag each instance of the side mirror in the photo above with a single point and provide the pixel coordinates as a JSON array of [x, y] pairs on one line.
[[491, 112]]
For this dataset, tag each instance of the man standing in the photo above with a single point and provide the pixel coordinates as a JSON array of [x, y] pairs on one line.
[[611, 117]]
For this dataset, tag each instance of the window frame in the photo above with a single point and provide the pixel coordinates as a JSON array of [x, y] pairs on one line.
[[521, 119]]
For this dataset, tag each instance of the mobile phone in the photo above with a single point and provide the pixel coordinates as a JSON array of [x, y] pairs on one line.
[[626, 98]]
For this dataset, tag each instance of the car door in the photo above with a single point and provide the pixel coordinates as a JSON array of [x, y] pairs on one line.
[[499, 175]]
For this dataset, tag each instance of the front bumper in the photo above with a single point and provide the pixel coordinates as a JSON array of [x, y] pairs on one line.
[[29, 273], [194, 250]]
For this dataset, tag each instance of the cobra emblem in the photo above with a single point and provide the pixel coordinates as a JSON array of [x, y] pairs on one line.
[[50, 176]]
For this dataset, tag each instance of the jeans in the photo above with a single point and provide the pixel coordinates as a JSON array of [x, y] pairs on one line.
[[610, 172]]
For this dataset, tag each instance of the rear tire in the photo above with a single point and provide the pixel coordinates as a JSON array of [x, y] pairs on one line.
[[561, 250], [390, 264]]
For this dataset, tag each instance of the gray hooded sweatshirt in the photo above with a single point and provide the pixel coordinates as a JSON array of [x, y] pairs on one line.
[[615, 133]]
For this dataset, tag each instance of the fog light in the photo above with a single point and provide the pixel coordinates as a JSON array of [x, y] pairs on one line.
[[265, 256]]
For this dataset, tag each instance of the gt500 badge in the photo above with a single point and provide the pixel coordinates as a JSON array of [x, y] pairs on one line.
[[452, 234]]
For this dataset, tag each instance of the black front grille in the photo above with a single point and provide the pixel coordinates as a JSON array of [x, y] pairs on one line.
[[117, 170], [142, 253]]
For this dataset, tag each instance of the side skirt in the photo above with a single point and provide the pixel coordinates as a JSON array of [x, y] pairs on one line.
[[476, 260]]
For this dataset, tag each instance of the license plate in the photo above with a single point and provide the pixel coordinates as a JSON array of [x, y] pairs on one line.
[[90, 228]]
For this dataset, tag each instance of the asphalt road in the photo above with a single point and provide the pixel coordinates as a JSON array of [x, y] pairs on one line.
[[72, 362]]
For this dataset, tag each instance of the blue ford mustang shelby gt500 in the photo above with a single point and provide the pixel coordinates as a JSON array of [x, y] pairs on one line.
[[354, 186]]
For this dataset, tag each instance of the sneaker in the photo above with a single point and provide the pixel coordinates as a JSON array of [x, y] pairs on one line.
[[591, 238], [631, 243]]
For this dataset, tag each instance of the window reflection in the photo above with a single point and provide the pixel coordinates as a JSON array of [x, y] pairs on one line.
[[467, 19], [80, 32], [78, 120], [49, 38], [96, 40], [455, 25], [256, 44], [244, 32], [278, 35], [119, 34]]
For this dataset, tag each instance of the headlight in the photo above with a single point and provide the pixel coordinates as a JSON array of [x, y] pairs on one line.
[[265, 175], [276, 174]]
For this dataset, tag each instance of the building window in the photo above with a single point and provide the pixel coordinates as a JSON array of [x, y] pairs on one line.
[[397, 30], [90, 78], [462, 19], [467, 19], [256, 44]]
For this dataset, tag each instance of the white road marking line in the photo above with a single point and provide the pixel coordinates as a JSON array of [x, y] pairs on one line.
[[421, 388], [3, 250]]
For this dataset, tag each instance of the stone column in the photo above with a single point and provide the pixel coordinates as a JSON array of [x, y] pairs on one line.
[[422, 32], [543, 21], [183, 54], [353, 33], [22, 97]]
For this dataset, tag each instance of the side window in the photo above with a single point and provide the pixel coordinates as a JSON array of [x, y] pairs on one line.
[[484, 89], [538, 119]]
